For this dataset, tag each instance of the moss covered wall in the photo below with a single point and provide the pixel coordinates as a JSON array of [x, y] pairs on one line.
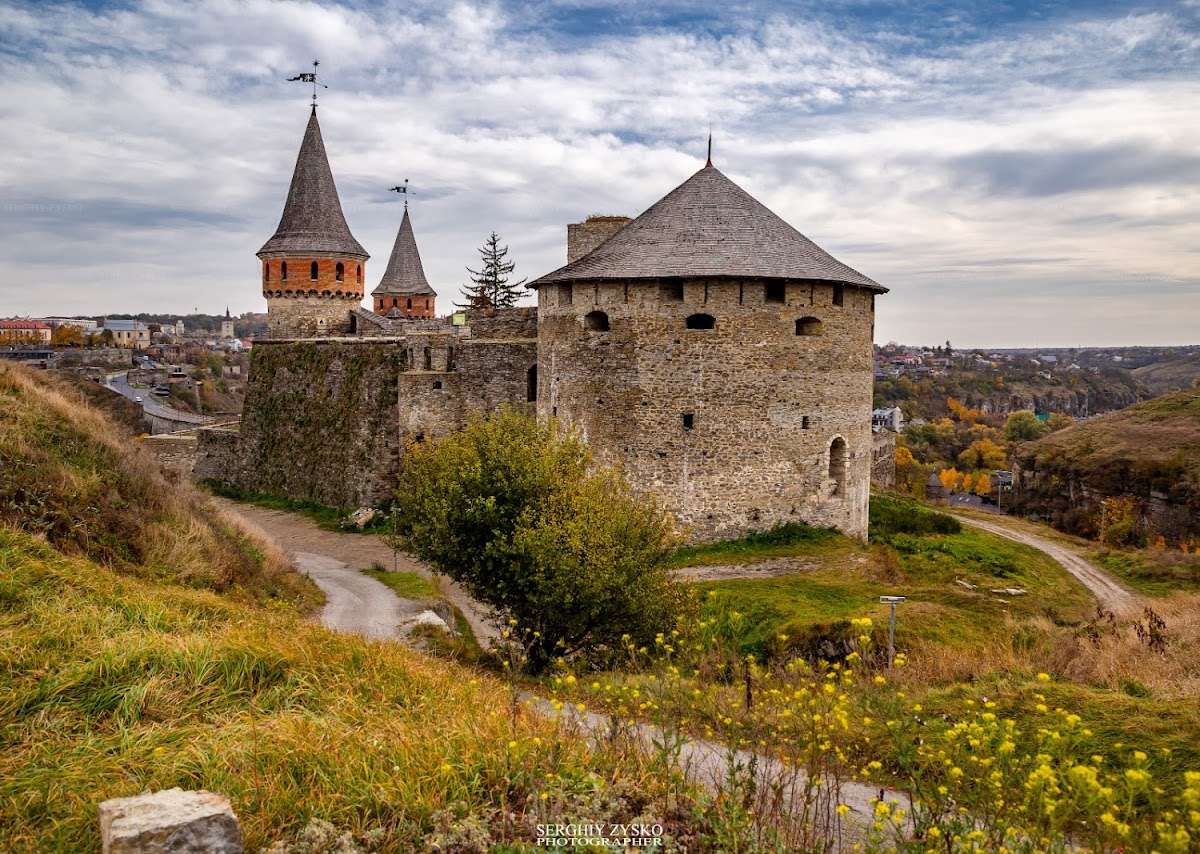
[[320, 421]]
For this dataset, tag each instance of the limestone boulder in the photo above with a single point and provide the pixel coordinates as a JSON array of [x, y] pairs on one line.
[[172, 821]]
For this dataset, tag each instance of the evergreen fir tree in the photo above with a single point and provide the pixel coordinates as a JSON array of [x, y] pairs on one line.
[[490, 287]]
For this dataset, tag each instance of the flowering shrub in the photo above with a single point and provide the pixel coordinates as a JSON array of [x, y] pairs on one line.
[[797, 754]]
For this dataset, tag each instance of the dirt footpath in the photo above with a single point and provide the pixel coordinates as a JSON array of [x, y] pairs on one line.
[[355, 602], [1107, 590]]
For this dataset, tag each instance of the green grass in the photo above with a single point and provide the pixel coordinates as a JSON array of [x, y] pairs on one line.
[[327, 518], [111, 685], [406, 585], [1152, 572], [784, 541], [837, 578], [461, 645]]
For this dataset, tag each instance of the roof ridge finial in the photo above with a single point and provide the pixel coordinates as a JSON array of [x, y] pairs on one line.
[[403, 190], [708, 163]]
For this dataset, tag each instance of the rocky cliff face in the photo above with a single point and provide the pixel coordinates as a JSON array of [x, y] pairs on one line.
[[1076, 402], [1148, 453]]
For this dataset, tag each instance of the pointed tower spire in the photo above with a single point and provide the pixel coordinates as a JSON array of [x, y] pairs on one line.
[[404, 290], [708, 163], [312, 219]]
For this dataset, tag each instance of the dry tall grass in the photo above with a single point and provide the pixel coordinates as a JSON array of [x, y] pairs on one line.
[[1115, 656], [68, 474], [111, 685]]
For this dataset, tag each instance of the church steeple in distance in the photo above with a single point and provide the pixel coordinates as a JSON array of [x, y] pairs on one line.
[[312, 267]]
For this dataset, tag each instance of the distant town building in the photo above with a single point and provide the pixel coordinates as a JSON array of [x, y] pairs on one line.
[[85, 326], [128, 333], [24, 331], [891, 418], [227, 325]]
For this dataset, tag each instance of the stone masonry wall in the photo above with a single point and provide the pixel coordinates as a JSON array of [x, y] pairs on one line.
[[319, 423], [735, 428], [217, 455], [308, 315], [583, 237], [176, 453], [883, 459], [326, 420]]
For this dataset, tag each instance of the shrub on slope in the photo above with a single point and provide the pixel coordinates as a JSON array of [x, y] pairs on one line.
[[67, 474]]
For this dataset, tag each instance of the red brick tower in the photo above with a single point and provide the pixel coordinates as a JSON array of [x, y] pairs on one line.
[[404, 291], [312, 268]]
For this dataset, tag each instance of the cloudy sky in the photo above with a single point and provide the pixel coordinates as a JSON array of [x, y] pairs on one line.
[[1018, 173]]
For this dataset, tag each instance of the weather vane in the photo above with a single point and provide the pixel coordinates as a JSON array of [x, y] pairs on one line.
[[310, 77], [403, 190]]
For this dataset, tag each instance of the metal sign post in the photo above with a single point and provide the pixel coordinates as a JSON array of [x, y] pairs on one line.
[[893, 601]]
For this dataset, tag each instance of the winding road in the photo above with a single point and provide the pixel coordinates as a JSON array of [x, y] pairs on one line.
[[1108, 591], [355, 602], [119, 382]]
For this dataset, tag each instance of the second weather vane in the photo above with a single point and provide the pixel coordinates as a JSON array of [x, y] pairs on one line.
[[402, 190]]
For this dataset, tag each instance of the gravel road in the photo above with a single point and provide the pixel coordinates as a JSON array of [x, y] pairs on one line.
[[1107, 590], [355, 602]]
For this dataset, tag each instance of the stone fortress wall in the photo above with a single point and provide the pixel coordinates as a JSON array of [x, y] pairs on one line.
[[756, 420], [326, 419]]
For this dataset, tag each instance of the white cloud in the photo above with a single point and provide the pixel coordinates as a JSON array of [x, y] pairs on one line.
[[148, 151]]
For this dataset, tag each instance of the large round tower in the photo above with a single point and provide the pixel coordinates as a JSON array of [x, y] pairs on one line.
[[312, 268], [720, 359]]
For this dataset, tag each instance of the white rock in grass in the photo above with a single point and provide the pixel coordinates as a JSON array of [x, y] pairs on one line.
[[170, 822]]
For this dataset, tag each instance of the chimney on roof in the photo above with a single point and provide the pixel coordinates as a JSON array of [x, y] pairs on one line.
[[583, 237]]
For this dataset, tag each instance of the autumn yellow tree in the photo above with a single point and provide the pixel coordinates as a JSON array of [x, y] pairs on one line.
[[984, 454], [66, 336], [950, 479], [982, 484], [962, 412]]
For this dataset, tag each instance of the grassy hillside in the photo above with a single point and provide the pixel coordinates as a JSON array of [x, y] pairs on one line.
[[953, 623], [1163, 433], [68, 474], [121, 410], [1171, 375], [110, 685], [146, 642], [1150, 449]]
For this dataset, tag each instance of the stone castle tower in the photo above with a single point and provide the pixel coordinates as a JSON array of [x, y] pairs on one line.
[[719, 358], [312, 268], [404, 291]]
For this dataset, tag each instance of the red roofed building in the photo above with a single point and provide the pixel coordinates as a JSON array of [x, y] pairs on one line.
[[24, 331]]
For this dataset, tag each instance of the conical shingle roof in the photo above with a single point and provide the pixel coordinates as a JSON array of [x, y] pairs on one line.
[[708, 226], [404, 273], [312, 218]]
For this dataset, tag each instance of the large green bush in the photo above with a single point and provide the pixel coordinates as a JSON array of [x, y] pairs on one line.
[[514, 510]]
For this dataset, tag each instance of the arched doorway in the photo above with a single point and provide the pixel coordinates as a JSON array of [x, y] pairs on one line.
[[837, 466]]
